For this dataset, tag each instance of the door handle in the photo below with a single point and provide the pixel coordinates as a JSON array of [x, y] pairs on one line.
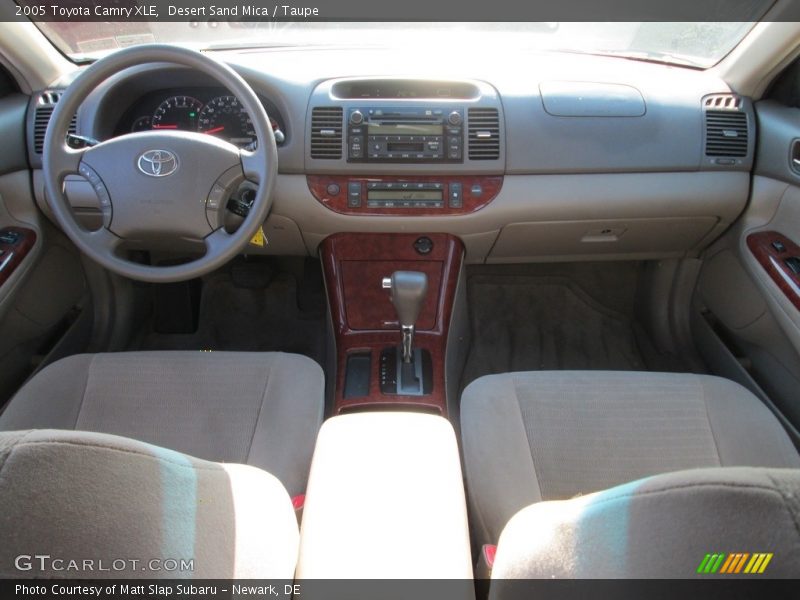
[[795, 156]]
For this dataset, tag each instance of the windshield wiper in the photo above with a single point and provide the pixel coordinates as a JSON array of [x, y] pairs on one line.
[[243, 45], [641, 55]]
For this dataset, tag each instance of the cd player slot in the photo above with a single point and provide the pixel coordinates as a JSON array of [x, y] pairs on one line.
[[405, 147]]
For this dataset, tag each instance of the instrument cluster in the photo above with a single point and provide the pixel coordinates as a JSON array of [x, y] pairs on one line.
[[212, 111]]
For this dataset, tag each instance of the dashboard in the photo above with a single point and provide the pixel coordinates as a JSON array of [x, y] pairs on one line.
[[571, 158], [210, 110]]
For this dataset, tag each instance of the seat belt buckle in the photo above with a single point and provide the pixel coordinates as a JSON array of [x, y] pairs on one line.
[[483, 570]]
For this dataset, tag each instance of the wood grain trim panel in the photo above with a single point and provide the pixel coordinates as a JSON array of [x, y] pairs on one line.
[[772, 261], [322, 185], [391, 249], [12, 255]]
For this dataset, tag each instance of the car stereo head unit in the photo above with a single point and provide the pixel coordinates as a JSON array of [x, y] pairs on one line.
[[421, 135]]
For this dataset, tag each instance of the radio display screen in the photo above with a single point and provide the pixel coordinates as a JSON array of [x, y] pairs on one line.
[[404, 195], [404, 129]]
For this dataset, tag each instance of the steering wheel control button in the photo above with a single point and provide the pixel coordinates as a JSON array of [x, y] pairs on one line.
[[456, 195], [97, 185], [354, 194], [423, 245], [215, 197], [157, 163]]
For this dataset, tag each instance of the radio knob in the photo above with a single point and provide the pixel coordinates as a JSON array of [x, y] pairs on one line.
[[356, 117], [454, 118]]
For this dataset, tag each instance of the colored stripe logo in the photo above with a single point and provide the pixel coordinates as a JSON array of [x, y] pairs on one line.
[[734, 563]]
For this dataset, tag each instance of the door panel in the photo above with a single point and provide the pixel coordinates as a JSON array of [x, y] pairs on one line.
[[748, 288], [42, 283]]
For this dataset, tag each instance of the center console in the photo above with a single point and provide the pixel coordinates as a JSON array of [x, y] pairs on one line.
[[404, 151], [391, 299], [385, 500], [399, 148]]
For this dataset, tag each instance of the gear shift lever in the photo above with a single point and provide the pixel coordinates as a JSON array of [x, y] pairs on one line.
[[409, 371], [408, 289]]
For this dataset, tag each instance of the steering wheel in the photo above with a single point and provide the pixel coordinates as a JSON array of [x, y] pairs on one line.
[[158, 185]]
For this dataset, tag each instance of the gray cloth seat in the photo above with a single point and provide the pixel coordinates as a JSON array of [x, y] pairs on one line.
[[536, 436], [259, 409], [90, 505], [720, 522]]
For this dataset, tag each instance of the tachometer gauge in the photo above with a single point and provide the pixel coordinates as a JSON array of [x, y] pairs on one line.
[[225, 117], [178, 112], [142, 124]]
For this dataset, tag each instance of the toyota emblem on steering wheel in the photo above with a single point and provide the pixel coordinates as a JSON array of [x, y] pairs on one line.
[[158, 163]]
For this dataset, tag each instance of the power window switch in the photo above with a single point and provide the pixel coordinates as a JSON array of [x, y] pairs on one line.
[[794, 264], [9, 237], [779, 247]]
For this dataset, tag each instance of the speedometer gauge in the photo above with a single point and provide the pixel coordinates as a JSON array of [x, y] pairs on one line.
[[178, 112], [225, 117]]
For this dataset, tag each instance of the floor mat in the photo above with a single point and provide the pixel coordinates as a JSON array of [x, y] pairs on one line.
[[238, 318], [549, 317]]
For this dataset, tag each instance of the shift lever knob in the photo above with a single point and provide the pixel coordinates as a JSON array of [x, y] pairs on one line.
[[408, 289]]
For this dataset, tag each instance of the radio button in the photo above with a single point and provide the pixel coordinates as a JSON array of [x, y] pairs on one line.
[[356, 117], [454, 118]]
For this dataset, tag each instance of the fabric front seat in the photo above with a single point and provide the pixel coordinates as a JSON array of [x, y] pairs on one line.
[[702, 523], [86, 505], [536, 436], [259, 409]]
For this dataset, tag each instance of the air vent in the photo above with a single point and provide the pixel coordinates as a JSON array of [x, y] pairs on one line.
[[483, 130], [726, 133], [723, 101], [41, 119], [326, 132]]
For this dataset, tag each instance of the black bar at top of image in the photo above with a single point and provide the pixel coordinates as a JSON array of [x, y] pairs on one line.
[[401, 10]]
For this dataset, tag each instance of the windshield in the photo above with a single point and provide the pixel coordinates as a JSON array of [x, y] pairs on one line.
[[690, 44]]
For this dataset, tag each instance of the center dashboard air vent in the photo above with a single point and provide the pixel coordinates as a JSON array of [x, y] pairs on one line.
[[326, 132], [45, 104], [483, 133], [727, 136]]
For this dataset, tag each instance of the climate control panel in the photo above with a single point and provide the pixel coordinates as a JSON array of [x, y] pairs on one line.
[[419, 195]]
